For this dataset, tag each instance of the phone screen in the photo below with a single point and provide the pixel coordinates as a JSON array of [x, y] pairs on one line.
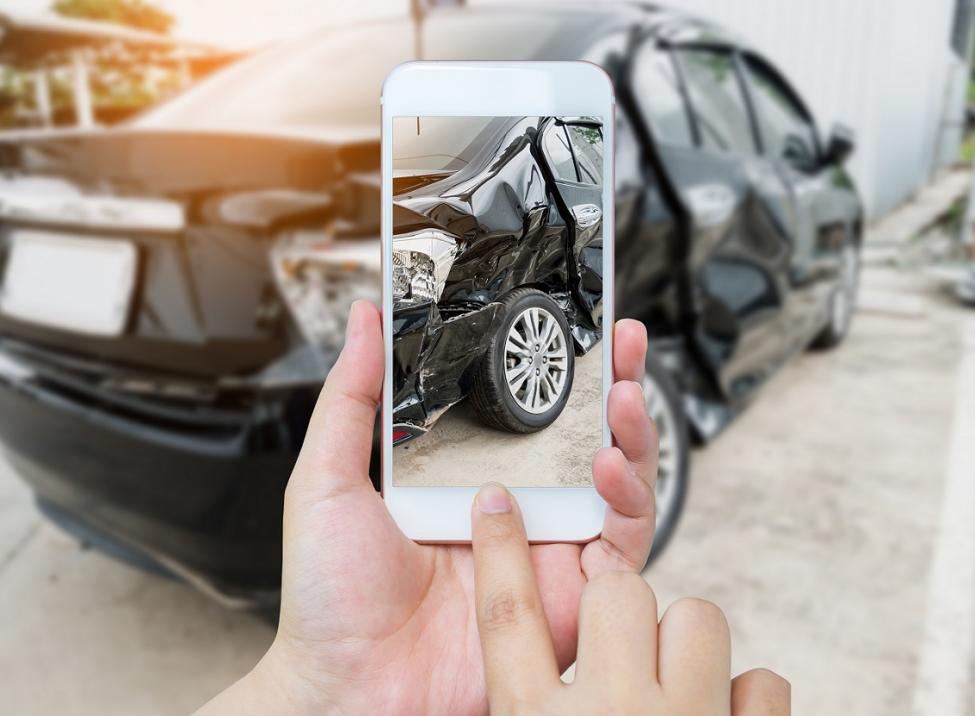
[[497, 289]]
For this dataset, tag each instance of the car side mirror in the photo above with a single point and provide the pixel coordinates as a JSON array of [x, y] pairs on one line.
[[799, 154], [842, 143]]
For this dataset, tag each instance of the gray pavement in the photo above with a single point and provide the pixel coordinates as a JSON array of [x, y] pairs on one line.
[[83, 634], [461, 451], [813, 521]]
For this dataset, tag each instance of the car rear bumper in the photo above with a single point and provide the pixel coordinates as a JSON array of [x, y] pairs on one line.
[[205, 504]]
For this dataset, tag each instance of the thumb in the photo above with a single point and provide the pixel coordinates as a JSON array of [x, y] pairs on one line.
[[338, 442]]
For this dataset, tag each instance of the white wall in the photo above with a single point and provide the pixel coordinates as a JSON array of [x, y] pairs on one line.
[[884, 68]]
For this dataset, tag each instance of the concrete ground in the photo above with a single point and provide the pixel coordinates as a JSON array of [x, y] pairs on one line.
[[832, 522], [813, 520], [461, 451]]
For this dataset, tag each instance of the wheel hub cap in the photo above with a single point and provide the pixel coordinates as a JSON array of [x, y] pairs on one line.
[[536, 360], [669, 456]]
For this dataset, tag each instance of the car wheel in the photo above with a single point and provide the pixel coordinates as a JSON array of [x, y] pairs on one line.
[[842, 302], [525, 378], [665, 408]]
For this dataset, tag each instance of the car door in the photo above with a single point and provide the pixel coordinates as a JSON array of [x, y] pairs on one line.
[[791, 148], [574, 152], [739, 215]]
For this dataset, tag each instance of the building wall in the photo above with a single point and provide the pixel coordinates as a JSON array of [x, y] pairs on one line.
[[884, 68]]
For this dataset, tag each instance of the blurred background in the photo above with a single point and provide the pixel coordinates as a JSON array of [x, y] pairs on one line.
[[153, 391]]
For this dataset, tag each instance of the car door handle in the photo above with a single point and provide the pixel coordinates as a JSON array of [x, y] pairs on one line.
[[586, 215]]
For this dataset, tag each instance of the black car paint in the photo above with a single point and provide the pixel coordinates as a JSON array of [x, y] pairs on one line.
[[512, 229], [171, 439], [742, 290]]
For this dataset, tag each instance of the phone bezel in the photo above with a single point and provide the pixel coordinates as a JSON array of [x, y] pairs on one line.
[[496, 89]]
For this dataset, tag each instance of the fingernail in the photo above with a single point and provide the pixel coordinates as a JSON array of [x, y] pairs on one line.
[[493, 499]]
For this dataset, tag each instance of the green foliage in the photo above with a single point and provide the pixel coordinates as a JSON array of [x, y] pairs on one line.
[[591, 135], [137, 14]]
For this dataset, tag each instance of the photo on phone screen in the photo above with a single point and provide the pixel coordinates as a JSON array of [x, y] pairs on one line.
[[497, 257]]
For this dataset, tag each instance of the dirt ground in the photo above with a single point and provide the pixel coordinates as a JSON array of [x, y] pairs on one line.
[[817, 521], [460, 451]]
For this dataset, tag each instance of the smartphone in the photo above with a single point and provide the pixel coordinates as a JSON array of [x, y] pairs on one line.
[[497, 235]]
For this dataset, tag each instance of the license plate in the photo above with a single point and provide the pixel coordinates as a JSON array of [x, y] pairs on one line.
[[73, 283]]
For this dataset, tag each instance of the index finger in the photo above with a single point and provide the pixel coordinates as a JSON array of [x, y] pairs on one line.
[[519, 659]]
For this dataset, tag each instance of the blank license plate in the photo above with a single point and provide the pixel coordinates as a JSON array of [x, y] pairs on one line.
[[73, 283]]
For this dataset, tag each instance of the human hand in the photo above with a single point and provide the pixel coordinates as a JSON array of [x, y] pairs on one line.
[[627, 662], [372, 622]]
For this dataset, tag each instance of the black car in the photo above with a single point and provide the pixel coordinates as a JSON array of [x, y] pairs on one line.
[[497, 267], [237, 222]]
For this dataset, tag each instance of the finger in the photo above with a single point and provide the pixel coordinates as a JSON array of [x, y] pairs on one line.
[[617, 633], [624, 477], [345, 413], [694, 657], [629, 350], [628, 525], [617, 483], [519, 659], [760, 692], [633, 431]]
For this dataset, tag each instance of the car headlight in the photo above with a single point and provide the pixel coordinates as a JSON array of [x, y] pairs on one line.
[[413, 280], [421, 264], [319, 280]]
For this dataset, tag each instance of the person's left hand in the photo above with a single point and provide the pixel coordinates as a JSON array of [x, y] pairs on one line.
[[372, 622]]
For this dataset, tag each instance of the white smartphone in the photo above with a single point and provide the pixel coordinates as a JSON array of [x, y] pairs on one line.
[[497, 230]]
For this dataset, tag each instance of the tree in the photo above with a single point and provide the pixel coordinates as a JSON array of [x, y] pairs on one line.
[[138, 14]]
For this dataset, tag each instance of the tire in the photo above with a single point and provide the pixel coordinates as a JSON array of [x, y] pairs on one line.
[[842, 302], [664, 405], [517, 409]]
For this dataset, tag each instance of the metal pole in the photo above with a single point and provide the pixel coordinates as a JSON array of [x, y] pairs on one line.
[[42, 97], [83, 107], [417, 12]]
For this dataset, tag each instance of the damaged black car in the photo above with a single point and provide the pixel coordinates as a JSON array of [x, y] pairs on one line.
[[157, 403], [497, 267]]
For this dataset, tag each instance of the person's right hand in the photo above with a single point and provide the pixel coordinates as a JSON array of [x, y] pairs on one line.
[[627, 662]]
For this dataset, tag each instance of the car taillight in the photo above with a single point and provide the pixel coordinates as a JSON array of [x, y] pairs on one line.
[[319, 280], [421, 262]]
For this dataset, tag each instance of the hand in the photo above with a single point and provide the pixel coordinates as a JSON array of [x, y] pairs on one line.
[[372, 622], [627, 663]]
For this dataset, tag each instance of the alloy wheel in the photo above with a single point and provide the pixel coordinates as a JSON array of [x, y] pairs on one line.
[[536, 360], [668, 466]]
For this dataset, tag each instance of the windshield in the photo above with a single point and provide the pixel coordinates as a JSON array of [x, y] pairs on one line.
[[334, 79]]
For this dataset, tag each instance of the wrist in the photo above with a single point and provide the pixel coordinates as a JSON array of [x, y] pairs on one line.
[[283, 680], [274, 686]]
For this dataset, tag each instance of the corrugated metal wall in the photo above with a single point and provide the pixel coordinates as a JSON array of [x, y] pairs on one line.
[[884, 68]]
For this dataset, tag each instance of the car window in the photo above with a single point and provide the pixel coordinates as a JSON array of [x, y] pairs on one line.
[[587, 142], [628, 169], [559, 155], [717, 100], [658, 93], [787, 132]]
